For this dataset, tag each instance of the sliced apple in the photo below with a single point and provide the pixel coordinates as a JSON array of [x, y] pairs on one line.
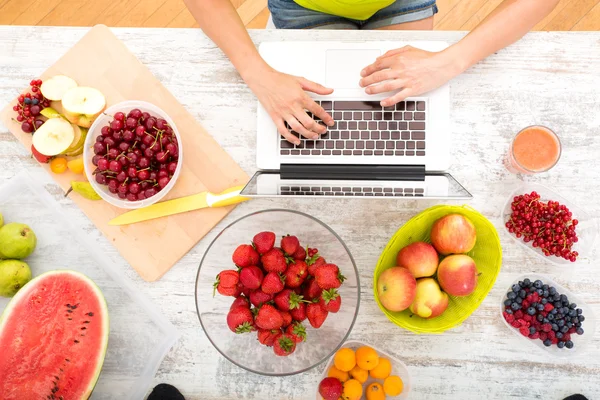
[[55, 87], [82, 105], [76, 147], [53, 137]]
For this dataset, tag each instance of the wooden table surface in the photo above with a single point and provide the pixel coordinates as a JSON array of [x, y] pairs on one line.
[[547, 78]]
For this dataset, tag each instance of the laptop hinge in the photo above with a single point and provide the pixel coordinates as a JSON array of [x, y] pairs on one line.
[[353, 172]]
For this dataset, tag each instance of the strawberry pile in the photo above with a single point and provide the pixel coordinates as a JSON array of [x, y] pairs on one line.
[[277, 288]]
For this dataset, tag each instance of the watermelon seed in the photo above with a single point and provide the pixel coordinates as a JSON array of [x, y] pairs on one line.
[[91, 314], [70, 319], [83, 328], [86, 322], [76, 341], [61, 398], [69, 311], [67, 360], [68, 305]]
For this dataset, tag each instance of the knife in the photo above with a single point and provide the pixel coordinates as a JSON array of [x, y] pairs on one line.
[[183, 204]]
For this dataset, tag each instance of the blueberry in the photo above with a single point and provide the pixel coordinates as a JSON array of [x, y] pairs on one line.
[[581, 318], [573, 306], [560, 344], [569, 324], [559, 335], [552, 290], [564, 329], [516, 288], [538, 284], [511, 295], [565, 310], [550, 317], [35, 102], [544, 301], [546, 293], [555, 327], [556, 297], [540, 317], [554, 311], [515, 306], [564, 298], [545, 287], [572, 313], [27, 100], [521, 284], [540, 307], [579, 311], [519, 300], [558, 316], [508, 311], [522, 293], [507, 302], [561, 323], [578, 325], [545, 320], [569, 344], [580, 331], [527, 282], [540, 292], [531, 311], [534, 304], [547, 342], [532, 330]]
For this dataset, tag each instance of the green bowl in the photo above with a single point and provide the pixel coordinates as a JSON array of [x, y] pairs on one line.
[[487, 254]]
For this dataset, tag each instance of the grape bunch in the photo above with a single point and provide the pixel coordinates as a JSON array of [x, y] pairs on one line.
[[548, 226], [136, 155], [29, 107]]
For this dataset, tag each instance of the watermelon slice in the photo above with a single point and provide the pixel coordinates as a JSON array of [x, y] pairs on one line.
[[53, 337]]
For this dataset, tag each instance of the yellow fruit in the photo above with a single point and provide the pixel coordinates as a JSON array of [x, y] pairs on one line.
[[366, 358], [359, 374], [336, 373], [393, 386], [375, 392], [382, 370], [352, 390], [344, 359], [58, 165], [76, 165]]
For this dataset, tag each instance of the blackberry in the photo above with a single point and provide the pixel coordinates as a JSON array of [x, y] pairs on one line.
[[511, 295], [507, 302], [560, 344], [531, 311], [580, 331], [538, 284], [569, 344], [547, 342], [515, 306]]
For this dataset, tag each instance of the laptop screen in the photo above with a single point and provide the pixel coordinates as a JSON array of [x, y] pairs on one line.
[[430, 186]]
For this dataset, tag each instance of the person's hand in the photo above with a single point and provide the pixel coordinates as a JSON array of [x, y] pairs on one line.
[[412, 70], [285, 99]]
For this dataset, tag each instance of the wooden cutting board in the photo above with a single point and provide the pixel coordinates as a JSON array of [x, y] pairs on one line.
[[102, 61]]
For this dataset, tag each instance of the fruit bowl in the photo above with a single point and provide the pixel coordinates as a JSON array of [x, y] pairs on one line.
[[587, 229], [487, 254], [580, 341], [398, 368], [244, 350], [88, 153]]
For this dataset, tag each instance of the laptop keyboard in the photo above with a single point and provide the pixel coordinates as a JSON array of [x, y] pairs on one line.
[[364, 128], [364, 191]]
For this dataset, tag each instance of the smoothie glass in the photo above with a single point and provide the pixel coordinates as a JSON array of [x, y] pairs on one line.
[[534, 149]]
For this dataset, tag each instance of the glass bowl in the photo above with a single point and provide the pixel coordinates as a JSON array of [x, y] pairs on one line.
[[587, 229], [244, 350], [88, 153], [580, 341]]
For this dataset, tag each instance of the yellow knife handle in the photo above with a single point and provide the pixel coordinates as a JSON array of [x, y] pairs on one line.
[[226, 198]]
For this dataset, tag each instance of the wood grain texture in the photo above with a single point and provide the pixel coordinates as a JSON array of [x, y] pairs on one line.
[[590, 22], [547, 78]]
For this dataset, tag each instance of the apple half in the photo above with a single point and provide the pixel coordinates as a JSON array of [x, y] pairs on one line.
[[82, 105], [55, 87], [76, 147], [53, 137]]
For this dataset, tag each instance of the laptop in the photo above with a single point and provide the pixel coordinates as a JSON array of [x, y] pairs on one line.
[[371, 151]]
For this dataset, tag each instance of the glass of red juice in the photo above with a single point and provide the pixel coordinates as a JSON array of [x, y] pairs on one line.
[[534, 149]]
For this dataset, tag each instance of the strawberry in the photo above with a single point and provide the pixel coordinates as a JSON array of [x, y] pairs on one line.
[[331, 300], [331, 388], [244, 290], [311, 289], [264, 241], [39, 156], [316, 314], [245, 256], [268, 317], [299, 314], [251, 277], [314, 263], [312, 252], [227, 283], [297, 332], [274, 261], [287, 300], [267, 337], [300, 254], [273, 283], [240, 320], [258, 297], [328, 276], [284, 345], [295, 274], [290, 244], [240, 302], [287, 318]]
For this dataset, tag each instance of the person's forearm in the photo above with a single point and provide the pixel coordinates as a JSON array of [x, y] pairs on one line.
[[509, 22], [220, 21]]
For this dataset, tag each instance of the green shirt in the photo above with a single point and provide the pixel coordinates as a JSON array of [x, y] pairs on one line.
[[354, 9]]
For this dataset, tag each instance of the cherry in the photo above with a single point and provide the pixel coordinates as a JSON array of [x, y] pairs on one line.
[[149, 153], [132, 172], [26, 127], [105, 131], [141, 196], [131, 197], [115, 166], [95, 159], [113, 184], [121, 176], [101, 179], [140, 131], [161, 124], [162, 173], [161, 156], [118, 136], [162, 182], [150, 192], [116, 125], [110, 142], [143, 174], [134, 188], [135, 113], [113, 153], [128, 135], [143, 162], [124, 146], [35, 110], [172, 167], [148, 140], [119, 116], [150, 123], [99, 148]]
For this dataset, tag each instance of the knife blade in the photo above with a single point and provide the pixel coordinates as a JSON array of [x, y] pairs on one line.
[[183, 204]]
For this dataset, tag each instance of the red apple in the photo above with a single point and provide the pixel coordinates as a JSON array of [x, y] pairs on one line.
[[396, 288], [457, 275], [453, 234], [419, 258], [429, 301]]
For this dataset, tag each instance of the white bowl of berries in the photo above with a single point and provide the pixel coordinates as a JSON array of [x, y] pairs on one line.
[[133, 154], [546, 223], [547, 315]]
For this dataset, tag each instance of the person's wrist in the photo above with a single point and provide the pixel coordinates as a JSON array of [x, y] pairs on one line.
[[456, 59], [253, 71]]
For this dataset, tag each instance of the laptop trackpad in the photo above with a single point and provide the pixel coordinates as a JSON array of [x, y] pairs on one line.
[[344, 66]]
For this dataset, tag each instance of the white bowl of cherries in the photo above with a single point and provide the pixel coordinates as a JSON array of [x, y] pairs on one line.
[[133, 154]]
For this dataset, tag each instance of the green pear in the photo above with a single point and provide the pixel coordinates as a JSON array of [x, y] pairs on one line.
[[16, 241], [14, 274], [1, 220]]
